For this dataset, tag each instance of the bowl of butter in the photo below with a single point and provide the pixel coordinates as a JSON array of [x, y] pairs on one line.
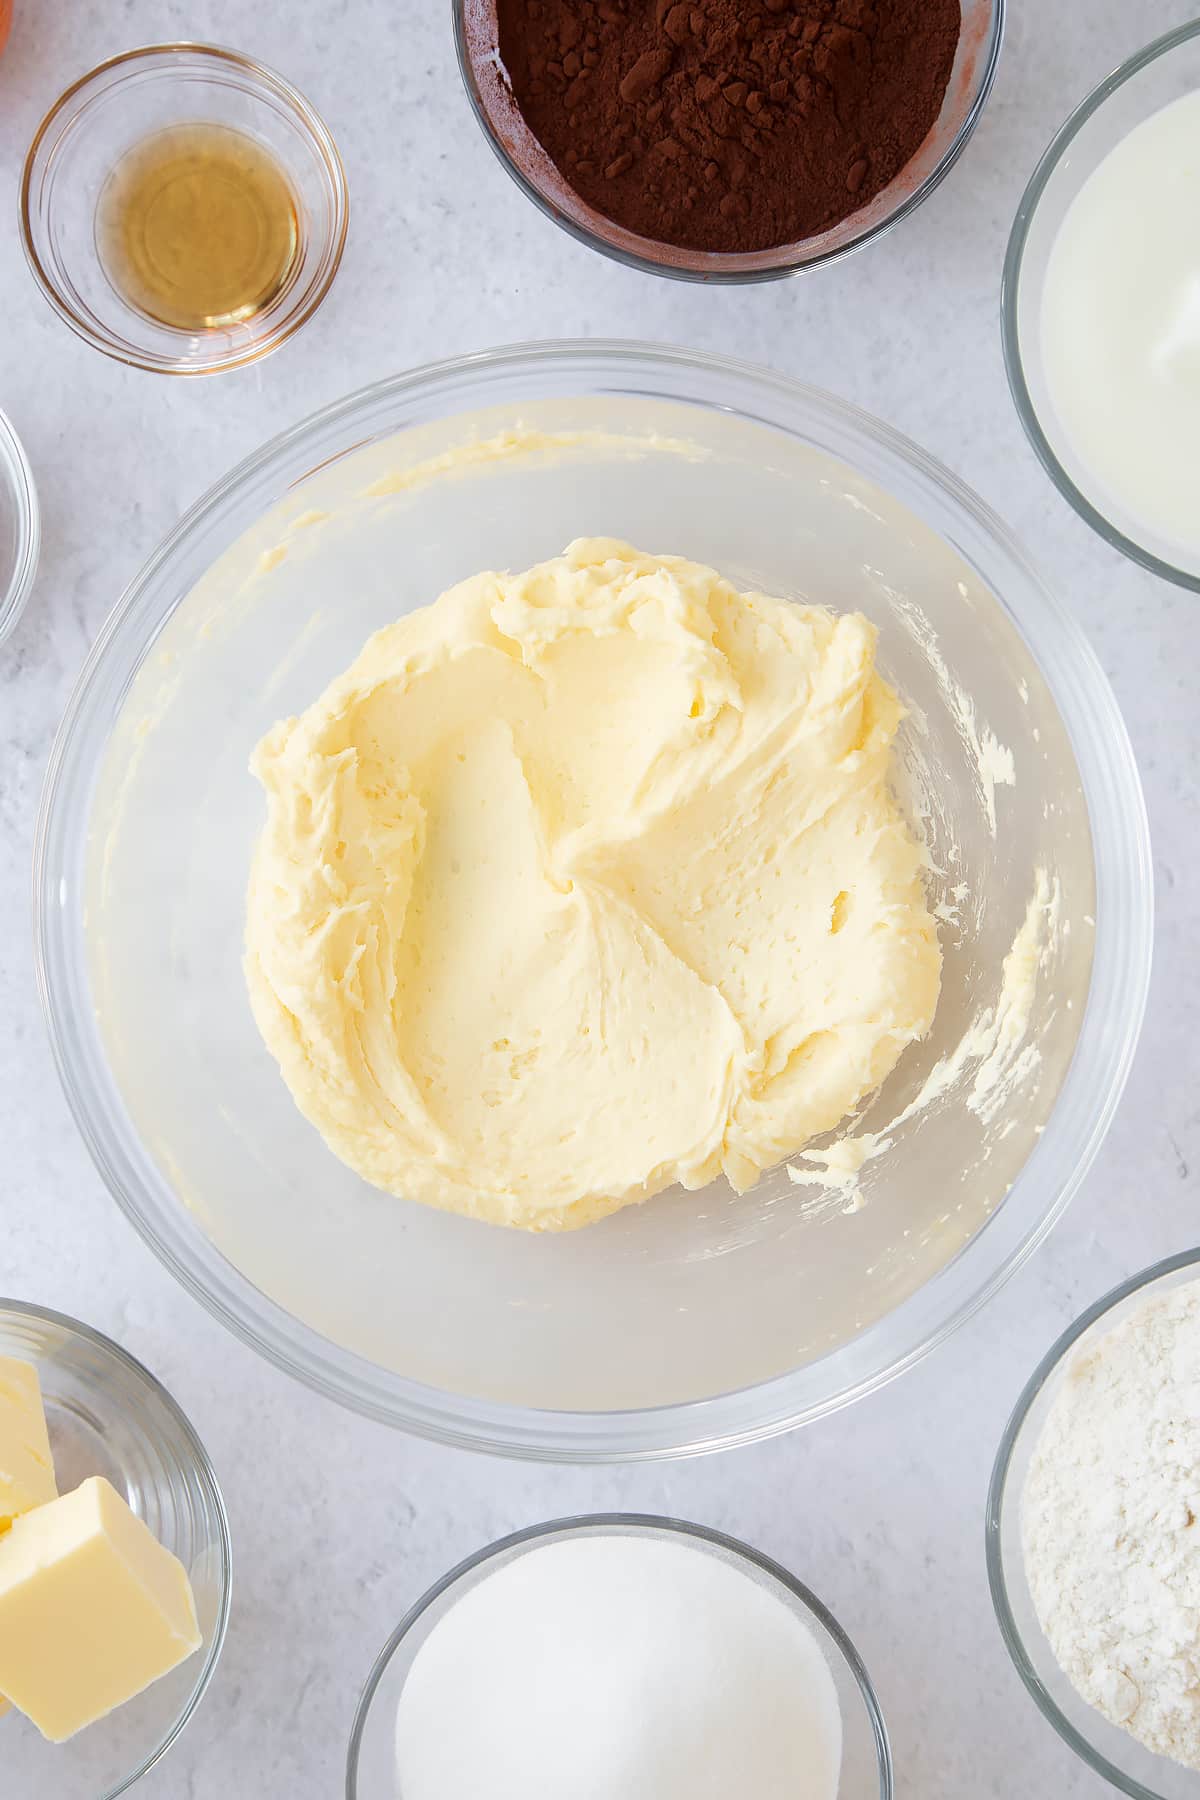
[[114, 1562], [591, 903]]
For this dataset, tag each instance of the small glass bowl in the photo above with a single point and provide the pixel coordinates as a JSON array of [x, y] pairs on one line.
[[108, 1416], [475, 34], [118, 105], [866, 1756], [1104, 1747], [20, 528], [1164, 71]]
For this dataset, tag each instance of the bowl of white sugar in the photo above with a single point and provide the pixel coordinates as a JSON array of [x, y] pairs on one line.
[[1093, 1534], [1101, 308], [619, 1657]]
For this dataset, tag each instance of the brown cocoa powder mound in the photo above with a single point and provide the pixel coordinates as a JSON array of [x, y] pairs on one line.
[[729, 125]]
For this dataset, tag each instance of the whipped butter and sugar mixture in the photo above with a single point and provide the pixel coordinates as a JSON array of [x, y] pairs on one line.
[[586, 881], [1111, 1524]]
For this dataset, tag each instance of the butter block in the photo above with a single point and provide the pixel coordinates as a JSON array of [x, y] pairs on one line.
[[26, 1468], [93, 1610]]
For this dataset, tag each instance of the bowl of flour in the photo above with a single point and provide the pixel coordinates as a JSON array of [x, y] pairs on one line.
[[1093, 1534]]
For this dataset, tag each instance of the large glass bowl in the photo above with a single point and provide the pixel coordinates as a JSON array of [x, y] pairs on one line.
[[1161, 73], [1103, 1746], [866, 1765], [520, 153], [698, 1320]]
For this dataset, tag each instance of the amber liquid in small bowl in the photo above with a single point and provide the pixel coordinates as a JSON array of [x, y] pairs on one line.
[[198, 227]]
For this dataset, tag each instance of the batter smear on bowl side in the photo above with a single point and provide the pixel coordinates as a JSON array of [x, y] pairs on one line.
[[587, 881]]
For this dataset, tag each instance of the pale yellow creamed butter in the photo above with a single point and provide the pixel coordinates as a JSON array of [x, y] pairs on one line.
[[586, 881]]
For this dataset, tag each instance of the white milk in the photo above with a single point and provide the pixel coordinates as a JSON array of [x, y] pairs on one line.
[[1121, 331]]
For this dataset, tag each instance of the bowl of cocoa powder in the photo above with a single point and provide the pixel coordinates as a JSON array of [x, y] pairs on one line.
[[728, 140]]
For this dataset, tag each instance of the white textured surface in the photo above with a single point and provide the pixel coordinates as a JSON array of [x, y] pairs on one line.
[[340, 1524]]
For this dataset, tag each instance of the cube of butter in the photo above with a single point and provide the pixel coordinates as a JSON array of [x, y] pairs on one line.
[[26, 1470], [93, 1610]]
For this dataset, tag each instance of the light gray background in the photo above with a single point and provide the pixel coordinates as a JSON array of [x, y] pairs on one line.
[[339, 1524]]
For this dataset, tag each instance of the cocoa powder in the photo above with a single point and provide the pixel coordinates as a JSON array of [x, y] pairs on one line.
[[729, 125]]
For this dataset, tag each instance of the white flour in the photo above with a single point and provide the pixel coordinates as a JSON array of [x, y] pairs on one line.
[[614, 1667], [1111, 1524]]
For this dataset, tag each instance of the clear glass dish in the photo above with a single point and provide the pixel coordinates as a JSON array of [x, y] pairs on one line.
[[866, 1757], [1162, 72], [1105, 1748], [119, 104], [108, 1416], [520, 153], [698, 1320], [20, 528]]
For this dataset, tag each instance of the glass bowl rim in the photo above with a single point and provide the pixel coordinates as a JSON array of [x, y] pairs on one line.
[[15, 465], [208, 1476], [725, 271], [1010, 283], [997, 1499], [314, 128], [669, 1430], [642, 1525]]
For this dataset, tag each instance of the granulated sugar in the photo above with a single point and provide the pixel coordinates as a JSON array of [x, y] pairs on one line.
[[619, 1668]]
